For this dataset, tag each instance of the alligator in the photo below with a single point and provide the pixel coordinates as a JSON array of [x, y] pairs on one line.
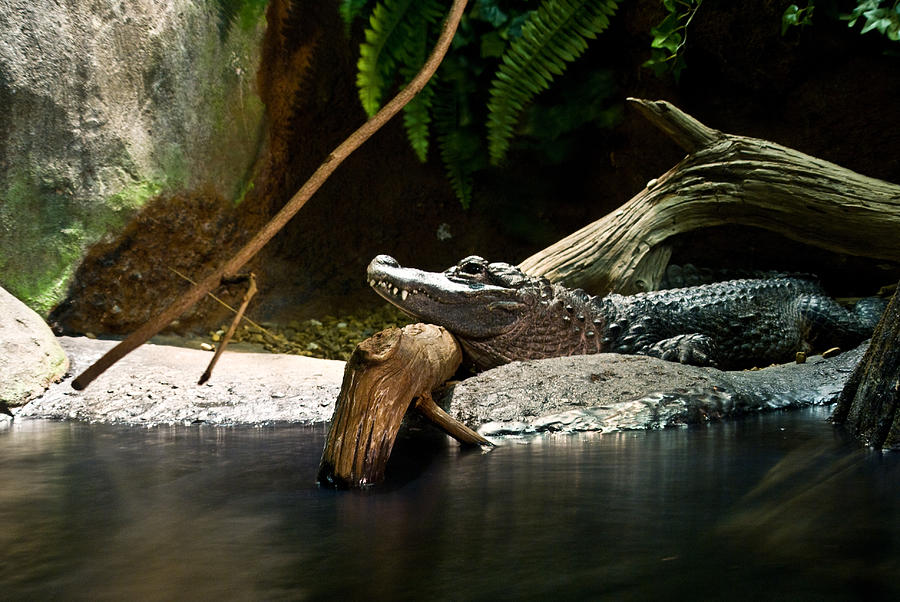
[[499, 314]]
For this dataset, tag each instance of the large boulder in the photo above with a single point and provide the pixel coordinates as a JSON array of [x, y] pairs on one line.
[[610, 392], [107, 104], [30, 356]]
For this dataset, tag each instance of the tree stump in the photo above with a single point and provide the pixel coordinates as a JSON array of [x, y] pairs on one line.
[[725, 179], [868, 405], [387, 374]]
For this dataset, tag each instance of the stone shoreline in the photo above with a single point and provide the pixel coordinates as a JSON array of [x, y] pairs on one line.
[[157, 384]]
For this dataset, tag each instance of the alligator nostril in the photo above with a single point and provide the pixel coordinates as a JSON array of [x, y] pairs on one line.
[[387, 260]]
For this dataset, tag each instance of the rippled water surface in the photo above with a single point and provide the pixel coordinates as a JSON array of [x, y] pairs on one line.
[[778, 505]]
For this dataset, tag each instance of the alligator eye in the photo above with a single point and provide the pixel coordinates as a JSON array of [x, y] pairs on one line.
[[472, 268]]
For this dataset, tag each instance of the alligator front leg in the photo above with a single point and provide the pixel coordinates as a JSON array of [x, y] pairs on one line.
[[695, 349]]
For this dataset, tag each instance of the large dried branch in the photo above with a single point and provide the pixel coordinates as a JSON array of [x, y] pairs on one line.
[[726, 179]]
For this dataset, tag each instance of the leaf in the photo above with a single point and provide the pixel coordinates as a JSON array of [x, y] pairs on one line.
[[552, 36], [670, 36], [789, 18], [376, 60], [420, 31], [462, 152], [350, 10], [416, 119]]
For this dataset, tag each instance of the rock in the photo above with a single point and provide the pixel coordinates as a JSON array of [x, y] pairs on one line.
[[157, 384], [30, 356], [608, 392], [105, 105]]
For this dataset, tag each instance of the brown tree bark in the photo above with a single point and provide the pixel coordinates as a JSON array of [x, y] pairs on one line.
[[386, 375], [868, 405], [725, 179]]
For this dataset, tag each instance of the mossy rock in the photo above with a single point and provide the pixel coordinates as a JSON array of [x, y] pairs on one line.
[[100, 116], [30, 356]]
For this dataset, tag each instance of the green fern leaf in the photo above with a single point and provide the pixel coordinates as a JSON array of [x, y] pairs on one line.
[[416, 120], [377, 59], [461, 147], [350, 10], [452, 144], [420, 31], [553, 35]]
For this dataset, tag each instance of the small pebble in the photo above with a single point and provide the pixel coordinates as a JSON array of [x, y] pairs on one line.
[[801, 357]]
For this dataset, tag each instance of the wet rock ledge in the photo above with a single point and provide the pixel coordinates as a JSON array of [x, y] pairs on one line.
[[156, 384], [608, 392]]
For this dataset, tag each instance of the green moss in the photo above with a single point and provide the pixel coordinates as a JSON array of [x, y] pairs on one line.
[[134, 196], [210, 136], [245, 14], [44, 230]]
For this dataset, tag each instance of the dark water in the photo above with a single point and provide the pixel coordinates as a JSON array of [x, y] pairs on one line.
[[771, 507]]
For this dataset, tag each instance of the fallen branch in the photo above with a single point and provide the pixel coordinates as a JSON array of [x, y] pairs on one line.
[[726, 179], [233, 265], [426, 406], [251, 290], [382, 378]]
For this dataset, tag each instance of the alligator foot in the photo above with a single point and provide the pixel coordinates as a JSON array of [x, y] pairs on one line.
[[695, 349]]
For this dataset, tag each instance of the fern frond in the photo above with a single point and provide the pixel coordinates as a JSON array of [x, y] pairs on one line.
[[553, 35], [377, 59], [350, 10], [420, 31], [460, 145], [452, 143], [416, 121]]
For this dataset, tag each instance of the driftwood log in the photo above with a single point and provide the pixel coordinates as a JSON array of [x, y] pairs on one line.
[[387, 374], [725, 179], [868, 405]]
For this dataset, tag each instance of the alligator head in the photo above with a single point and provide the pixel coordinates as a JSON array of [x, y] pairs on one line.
[[498, 313]]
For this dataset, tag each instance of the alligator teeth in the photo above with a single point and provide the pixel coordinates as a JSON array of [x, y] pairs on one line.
[[372, 282], [404, 294], [395, 291]]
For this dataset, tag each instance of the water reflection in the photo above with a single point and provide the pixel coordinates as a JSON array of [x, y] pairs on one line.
[[777, 504]]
